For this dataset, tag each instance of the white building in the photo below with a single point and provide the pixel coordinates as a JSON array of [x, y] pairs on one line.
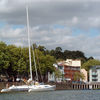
[[94, 74], [51, 77]]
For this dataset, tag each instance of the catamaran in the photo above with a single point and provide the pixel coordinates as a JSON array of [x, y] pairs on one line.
[[31, 87]]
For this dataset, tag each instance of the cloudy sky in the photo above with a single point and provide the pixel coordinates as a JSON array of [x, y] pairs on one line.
[[70, 24]]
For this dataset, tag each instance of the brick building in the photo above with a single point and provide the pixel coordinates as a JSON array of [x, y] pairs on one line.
[[70, 68]]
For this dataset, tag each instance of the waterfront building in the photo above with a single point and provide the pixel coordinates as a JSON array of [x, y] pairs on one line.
[[94, 74], [51, 77], [70, 68], [67, 69]]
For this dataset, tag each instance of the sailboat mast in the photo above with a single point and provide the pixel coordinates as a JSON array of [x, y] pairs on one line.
[[29, 42]]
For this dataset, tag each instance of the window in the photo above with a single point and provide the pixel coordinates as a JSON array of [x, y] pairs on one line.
[[95, 80], [60, 67], [94, 75]]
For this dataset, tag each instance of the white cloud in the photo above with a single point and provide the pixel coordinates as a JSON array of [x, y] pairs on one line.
[[74, 20], [44, 14], [18, 44], [8, 32]]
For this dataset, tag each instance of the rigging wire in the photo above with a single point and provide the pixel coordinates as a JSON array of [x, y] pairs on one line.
[[35, 63]]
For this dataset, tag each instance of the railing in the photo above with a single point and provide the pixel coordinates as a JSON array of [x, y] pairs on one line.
[[94, 73]]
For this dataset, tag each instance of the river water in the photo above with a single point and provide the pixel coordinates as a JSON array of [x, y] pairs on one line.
[[53, 95]]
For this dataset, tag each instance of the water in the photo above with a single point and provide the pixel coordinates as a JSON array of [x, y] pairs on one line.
[[53, 95]]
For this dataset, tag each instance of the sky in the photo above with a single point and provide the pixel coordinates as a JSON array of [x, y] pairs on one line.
[[69, 24]]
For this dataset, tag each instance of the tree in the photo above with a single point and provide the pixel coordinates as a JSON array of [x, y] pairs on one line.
[[90, 58], [34, 45], [58, 53], [4, 58], [45, 62], [58, 74], [4, 63], [3, 47], [21, 68], [41, 48], [78, 76], [74, 55], [52, 52], [90, 63], [58, 49]]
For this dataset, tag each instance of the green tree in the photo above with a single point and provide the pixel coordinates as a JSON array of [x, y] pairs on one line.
[[58, 49], [52, 52], [4, 59], [42, 48], [78, 76], [58, 53], [74, 55], [58, 74], [21, 68], [44, 63], [90, 63]]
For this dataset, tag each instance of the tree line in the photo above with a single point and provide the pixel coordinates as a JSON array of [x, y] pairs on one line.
[[59, 54]]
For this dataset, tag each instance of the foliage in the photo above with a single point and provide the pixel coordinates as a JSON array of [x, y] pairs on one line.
[[44, 62], [4, 58], [57, 73], [78, 76], [66, 54], [89, 63], [14, 61]]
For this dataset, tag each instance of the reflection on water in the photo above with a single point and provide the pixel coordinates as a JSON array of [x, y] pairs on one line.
[[53, 95]]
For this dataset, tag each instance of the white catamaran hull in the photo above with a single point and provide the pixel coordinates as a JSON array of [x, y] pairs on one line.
[[17, 88], [42, 88], [29, 88], [5, 90]]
